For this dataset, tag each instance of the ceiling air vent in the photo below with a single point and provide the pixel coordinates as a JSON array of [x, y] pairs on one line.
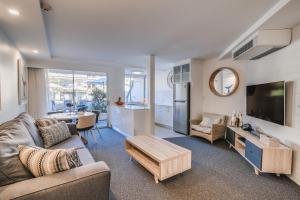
[[266, 53], [262, 43], [243, 49]]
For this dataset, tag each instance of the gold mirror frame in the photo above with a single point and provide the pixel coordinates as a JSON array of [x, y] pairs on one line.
[[213, 76]]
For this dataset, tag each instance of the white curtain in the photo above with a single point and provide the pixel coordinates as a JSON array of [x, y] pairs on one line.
[[37, 92]]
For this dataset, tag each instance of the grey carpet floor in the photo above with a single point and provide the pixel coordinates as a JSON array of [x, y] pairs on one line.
[[217, 173]]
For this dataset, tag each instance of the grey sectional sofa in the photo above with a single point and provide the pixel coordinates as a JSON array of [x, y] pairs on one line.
[[90, 181]]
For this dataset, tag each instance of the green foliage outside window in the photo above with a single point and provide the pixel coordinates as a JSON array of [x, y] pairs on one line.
[[99, 101]]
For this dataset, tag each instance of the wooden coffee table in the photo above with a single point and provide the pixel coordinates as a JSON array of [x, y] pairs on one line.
[[161, 158]]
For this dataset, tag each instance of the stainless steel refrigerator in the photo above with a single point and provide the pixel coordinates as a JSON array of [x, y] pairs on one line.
[[181, 108]]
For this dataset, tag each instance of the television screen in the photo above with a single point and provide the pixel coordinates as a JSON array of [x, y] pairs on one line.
[[266, 101]]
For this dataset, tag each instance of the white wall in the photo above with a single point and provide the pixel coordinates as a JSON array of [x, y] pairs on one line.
[[281, 65], [163, 93], [10, 107], [163, 99], [196, 88]]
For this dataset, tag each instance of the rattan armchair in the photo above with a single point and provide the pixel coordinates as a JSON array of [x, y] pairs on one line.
[[217, 130]]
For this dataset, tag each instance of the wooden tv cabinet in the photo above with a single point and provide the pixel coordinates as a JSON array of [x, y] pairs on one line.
[[161, 158], [263, 158]]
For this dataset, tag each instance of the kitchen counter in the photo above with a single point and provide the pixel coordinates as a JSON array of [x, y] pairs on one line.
[[135, 107], [130, 120]]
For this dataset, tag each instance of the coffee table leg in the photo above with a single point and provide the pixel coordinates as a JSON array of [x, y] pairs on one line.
[[156, 179], [256, 171]]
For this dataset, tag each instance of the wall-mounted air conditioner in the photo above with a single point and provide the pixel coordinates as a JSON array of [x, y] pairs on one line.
[[262, 43]]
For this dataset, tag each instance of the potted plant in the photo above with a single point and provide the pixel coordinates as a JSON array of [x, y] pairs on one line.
[[99, 102]]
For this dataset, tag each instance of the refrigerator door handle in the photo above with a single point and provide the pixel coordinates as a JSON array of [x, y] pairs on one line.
[[180, 101]]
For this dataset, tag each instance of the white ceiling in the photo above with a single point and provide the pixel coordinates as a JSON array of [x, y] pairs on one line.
[[27, 30], [287, 17], [124, 32]]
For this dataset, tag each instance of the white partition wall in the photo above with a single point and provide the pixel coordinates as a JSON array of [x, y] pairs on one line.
[[151, 93]]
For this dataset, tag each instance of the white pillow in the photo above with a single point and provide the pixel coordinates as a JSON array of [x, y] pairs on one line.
[[206, 122], [217, 121]]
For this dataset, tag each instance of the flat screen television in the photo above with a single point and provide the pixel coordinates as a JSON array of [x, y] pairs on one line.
[[267, 102]]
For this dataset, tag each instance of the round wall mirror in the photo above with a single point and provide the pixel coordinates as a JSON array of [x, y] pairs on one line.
[[224, 81]]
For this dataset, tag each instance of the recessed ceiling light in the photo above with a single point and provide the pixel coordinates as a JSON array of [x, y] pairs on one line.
[[35, 51], [14, 12]]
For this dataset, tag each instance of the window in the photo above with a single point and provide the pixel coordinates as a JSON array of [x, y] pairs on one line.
[[135, 89], [82, 89]]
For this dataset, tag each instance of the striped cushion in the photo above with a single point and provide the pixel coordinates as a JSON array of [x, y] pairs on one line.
[[41, 162], [54, 134], [45, 122]]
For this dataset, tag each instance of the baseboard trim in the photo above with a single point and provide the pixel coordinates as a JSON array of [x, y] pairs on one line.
[[297, 181], [119, 131], [164, 126]]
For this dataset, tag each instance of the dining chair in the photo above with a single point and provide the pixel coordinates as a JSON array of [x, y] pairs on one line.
[[96, 127], [85, 124]]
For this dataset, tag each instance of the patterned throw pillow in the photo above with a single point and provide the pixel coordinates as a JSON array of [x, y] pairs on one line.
[[41, 162], [45, 122], [54, 134]]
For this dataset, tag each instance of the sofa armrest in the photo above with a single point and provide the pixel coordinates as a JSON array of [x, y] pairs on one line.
[[195, 121], [218, 129], [86, 182], [72, 129]]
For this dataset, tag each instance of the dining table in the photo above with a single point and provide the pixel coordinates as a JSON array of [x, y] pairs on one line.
[[67, 116]]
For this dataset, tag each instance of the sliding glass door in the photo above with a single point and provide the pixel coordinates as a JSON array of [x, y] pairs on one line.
[[60, 84], [86, 91]]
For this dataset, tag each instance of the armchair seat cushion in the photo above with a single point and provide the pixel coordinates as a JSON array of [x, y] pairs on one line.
[[202, 129]]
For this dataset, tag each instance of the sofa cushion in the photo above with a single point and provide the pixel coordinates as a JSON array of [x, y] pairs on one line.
[[29, 123], [72, 142], [42, 162], [201, 129], [12, 134], [54, 134], [85, 156]]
